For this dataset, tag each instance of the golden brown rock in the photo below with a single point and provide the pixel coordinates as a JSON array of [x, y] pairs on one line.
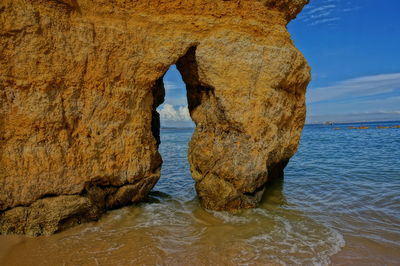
[[80, 81]]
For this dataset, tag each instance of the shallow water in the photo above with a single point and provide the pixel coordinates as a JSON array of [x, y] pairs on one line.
[[339, 204]]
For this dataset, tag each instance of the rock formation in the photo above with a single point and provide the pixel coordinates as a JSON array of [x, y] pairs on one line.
[[80, 82]]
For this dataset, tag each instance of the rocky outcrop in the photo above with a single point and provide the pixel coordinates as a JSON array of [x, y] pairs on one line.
[[80, 82]]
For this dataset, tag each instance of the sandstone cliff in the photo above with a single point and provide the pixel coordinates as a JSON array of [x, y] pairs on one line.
[[80, 82]]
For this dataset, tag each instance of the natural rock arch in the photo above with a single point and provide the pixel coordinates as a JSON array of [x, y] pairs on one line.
[[80, 82]]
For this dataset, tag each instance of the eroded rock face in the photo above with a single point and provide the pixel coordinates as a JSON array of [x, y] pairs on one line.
[[80, 82]]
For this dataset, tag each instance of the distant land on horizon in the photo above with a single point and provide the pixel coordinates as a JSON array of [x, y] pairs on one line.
[[186, 125]]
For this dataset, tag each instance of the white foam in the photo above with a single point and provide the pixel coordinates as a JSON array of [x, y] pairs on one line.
[[289, 243], [230, 218], [158, 214]]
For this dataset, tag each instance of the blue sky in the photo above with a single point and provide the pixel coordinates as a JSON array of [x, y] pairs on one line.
[[353, 47]]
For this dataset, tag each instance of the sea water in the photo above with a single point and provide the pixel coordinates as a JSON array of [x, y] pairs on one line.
[[338, 204]]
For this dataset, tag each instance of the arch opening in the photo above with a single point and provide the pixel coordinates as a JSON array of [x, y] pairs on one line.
[[173, 129], [174, 111], [217, 149], [182, 104], [177, 94]]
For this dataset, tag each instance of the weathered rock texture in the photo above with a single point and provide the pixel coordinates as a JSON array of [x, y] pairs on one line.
[[80, 81]]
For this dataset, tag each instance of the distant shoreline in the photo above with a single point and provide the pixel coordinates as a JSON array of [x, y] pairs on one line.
[[309, 124], [177, 127], [357, 122]]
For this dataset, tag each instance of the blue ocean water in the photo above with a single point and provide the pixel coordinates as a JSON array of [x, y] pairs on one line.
[[345, 180], [338, 204]]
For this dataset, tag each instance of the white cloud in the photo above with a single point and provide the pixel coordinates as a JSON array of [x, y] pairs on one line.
[[320, 9], [175, 93], [176, 101], [349, 9], [171, 113], [321, 15], [168, 85], [325, 12], [357, 87], [323, 21]]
